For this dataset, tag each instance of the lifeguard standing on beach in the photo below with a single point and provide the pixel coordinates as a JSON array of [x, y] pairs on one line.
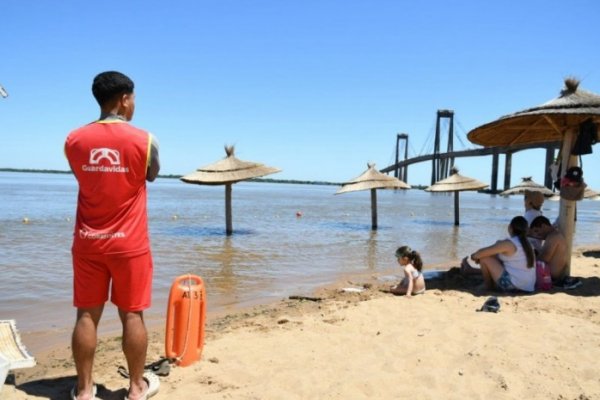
[[112, 160]]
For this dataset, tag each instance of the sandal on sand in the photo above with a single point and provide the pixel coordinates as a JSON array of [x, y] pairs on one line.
[[162, 367], [74, 392], [153, 385], [568, 283], [491, 305]]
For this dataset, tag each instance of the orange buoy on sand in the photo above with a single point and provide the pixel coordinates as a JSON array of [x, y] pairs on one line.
[[186, 314]]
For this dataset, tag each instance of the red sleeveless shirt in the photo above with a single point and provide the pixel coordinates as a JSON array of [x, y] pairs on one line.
[[109, 159]]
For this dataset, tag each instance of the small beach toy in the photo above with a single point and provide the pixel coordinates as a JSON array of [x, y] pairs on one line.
[[353, 290]]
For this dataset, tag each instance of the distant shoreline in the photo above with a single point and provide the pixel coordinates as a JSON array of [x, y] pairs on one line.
[[266, 180], [292, 181]]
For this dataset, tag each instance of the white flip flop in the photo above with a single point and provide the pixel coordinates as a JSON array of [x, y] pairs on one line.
[[153, 384]]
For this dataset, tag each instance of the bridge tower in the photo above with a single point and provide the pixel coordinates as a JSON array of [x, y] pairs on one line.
[[440, 168], [401, 172]]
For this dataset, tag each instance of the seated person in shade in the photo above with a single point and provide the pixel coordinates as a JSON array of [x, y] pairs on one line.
[[509, 264], [554, 252], [413, 281]]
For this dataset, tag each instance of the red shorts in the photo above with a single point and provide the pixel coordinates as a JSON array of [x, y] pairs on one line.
[[129, 279]]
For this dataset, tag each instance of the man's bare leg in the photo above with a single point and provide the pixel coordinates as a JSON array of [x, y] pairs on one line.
[[135, 346], [83, 346]]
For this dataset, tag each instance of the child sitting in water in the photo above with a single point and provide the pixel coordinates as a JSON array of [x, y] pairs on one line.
[[413, 281]]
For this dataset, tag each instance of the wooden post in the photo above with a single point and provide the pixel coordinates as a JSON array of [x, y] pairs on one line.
[[374, 209], [228, 223], [456, 212], [566, 216], [507, 168], [495, 158], [549, 160]]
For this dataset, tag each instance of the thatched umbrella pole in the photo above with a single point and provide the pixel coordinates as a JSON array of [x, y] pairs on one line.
[[456, 183], [374, 209], [227, 172], [372, 180], [456, 208], [566, 219], [228, 222]]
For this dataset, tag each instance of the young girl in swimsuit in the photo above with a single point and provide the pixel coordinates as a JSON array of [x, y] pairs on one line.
[[413, 281]]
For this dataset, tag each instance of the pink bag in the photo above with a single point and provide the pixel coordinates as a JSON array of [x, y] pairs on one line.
[[543, 279]]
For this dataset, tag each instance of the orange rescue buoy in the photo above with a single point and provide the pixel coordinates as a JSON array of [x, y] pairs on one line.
[[186, 314]]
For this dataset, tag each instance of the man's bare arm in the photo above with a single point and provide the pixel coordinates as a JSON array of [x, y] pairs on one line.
[[154, 162]]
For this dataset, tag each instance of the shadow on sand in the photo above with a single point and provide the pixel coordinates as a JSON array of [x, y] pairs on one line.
[[454, 279], [60, 388]]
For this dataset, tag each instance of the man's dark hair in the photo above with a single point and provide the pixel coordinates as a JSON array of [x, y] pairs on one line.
[[539, 221], [110, 84]]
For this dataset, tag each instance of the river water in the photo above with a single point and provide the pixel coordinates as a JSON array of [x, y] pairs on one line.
[[273, 252]]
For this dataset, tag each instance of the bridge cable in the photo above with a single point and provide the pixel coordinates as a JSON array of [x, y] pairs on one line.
[[428, 142]]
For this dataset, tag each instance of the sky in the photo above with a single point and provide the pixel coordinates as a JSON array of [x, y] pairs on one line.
[[317, 88]]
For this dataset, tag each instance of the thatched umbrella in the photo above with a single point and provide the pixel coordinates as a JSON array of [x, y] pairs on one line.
[[527, 185], [227, 172], [557, 119], [456, 183], [372, 180], [590, 194]]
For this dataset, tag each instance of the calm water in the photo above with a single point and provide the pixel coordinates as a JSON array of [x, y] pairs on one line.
[[272, 254]]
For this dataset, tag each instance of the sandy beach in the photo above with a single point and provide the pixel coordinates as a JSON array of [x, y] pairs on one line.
[[373, 345]]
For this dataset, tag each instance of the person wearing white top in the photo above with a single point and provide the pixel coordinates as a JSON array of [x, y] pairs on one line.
[[509, 264]]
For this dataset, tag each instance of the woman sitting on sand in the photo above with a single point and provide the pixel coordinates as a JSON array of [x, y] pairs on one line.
[[413, 281], [509, 263]]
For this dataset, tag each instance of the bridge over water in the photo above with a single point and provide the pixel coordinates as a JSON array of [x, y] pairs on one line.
[[441, 163]]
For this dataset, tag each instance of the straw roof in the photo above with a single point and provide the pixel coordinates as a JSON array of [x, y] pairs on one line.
[[544, 123], [589, 193], [456, 183], [527, 184], [228, 170], [372, 179]]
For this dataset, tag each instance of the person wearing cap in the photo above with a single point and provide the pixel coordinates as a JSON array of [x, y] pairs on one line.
[[533, 208], [533, 205]]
